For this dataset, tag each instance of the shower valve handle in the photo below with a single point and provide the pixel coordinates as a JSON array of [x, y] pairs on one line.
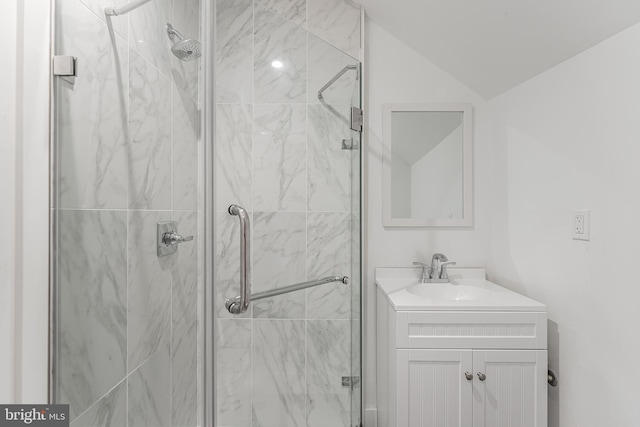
[[173, 238]]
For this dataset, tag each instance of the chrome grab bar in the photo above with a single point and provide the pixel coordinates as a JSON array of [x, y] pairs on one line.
[[241, 302], [291, 288]]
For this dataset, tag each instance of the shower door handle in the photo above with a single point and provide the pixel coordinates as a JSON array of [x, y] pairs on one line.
[[240, 304]]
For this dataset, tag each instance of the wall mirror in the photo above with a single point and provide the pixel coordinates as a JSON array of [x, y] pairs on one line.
[[428, 166]]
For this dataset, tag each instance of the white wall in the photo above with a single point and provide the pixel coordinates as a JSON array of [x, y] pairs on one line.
[[8, 24], [570, 139], [24, 153], [395, 73]]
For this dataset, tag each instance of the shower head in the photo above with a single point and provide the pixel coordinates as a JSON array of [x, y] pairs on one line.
[[183, 49]]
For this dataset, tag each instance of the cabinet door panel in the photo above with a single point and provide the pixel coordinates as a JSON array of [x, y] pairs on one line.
[[514, 393], [432, 388]]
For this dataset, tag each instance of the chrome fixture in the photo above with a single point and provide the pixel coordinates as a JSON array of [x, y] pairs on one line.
[[240, 304], [437, 271], [552, 379], [351, 382], [356, 113], [232, 304], [468, 376], [168, 238], [115, 11], [357, 119], [349, 144], [183, 49], [335, 78], [481, 376], [65, 67]]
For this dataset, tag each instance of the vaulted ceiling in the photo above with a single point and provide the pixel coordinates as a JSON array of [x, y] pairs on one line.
[[493, 45]]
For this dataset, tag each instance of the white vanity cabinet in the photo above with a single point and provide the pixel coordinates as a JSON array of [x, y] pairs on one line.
[[433, 389], [461, 367]]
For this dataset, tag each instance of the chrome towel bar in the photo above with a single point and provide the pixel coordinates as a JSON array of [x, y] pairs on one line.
[[231, 304]]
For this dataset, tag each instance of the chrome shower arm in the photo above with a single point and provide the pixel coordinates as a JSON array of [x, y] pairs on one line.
[[115, 11]]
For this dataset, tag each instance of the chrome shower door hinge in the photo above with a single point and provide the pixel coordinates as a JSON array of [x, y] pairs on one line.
[[351, 382], [356, 119], [65, 66], [349, 144]]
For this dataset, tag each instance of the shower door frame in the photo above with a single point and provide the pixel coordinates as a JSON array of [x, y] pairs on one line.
[[206, 333]]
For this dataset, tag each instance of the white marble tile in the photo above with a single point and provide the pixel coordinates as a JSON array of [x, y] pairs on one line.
[[92, 114], [337, 22], [150, 136], [227, 261], [118, 23], [233, 382], [149, 297], [293, 10], [278, 261], [325, 61], [186, 19], [109, 411], [278, 372], [234, 51], [149, 391], [277, 39], [329, 254], [148, 33], [233, 155], [186, 140], [329, 166], [184, 380], [280, 157], [92, 335], [328, 360], [184, 296]]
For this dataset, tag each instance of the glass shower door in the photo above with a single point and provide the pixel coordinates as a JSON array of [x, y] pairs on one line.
[[127, 157], [291, 160]]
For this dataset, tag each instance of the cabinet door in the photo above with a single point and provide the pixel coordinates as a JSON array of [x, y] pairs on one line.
[[514, 390], [432, 388]]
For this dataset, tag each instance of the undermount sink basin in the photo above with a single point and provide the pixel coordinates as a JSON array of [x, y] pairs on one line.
[[449, 291], [469, 290]]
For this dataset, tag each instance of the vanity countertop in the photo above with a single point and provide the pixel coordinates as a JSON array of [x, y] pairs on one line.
[[468, 291]]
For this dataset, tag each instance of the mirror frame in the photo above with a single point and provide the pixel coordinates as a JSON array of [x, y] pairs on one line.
[[467, 166]]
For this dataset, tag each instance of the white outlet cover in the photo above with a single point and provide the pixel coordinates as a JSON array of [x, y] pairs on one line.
[[586, 215]]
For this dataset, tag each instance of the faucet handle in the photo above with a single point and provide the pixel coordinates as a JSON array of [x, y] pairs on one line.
[[426, 271], [443, 269]]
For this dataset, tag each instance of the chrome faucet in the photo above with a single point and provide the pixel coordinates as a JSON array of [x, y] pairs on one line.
[[437, 272], [426, 271]]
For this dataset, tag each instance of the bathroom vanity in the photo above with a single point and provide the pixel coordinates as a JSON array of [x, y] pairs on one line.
[[460, 354]]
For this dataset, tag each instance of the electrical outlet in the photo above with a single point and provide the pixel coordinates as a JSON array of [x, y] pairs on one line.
[[581, 220]]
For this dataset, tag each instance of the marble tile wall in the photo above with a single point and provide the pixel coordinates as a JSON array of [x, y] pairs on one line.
[[279, 155], [128, 154]]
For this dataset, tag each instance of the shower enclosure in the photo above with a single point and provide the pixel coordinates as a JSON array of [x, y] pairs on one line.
[[204, 153]]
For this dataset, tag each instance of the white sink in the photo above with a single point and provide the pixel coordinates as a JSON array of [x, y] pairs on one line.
[[468, 290], [450, 291]]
